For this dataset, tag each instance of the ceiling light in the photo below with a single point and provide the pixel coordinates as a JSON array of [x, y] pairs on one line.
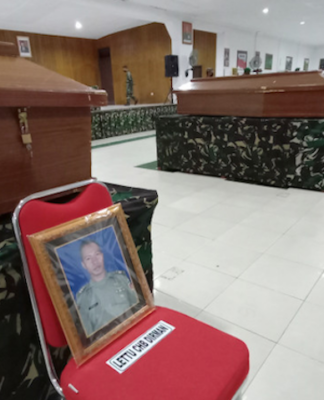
[[265, 10], [78, 25], [302, 23]]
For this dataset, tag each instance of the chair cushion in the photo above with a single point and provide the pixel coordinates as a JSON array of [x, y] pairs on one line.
[[37, 215], [193, 362]]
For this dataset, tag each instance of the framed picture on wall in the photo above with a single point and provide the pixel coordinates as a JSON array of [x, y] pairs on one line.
[[226, 57], [289, 62], [306, 64], [95, 279], [321, 64], [186, 32], [242, 59], [268, 61], [24, 46]]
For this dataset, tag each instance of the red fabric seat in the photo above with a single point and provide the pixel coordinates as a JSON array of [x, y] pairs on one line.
[[195, 361]]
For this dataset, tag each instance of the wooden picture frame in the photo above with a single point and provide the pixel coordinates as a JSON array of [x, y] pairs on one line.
[[94, 277], [306, 64], [187, 33], [226, 57], [242, 59], [268, 61], [321, 64], [289, 63], [24, 46]]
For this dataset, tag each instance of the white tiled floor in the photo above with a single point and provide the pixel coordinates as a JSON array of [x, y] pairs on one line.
[[244, 258]]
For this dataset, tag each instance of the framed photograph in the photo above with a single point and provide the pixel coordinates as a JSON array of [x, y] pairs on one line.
[[226, 57], [289, 62], [321, 64], [268, 61], [242, 59], [306, 64], [186, 32], [94, 277], [24, 46]]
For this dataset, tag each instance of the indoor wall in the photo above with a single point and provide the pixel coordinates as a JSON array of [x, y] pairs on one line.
[[279, 48], [142, 49], [205, 44], [72, 57]]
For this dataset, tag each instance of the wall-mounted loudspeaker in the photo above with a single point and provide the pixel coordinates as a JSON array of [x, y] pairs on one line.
[[171, 66]]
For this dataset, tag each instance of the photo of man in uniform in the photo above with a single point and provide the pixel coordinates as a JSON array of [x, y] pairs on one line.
[[107, 295]]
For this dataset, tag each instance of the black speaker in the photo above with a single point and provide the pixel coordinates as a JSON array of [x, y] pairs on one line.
[[171, 66]]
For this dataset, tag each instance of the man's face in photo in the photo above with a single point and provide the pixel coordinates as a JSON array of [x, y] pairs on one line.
[[93, 260]]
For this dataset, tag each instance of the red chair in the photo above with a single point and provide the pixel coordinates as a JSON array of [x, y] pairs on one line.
[[194, 362]]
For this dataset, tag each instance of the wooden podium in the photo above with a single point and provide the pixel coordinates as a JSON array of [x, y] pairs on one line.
[[45, 128]]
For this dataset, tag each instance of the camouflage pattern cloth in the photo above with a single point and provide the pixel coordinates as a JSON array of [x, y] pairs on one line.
[[271, 151], [109, 123], [306, 153], [22, 370]]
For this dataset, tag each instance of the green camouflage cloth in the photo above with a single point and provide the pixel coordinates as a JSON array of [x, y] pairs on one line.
[[307, 153], [109, 123], [271, 151], [22, 371]]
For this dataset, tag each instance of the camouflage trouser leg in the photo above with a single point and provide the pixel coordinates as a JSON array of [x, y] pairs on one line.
[[129, 96]]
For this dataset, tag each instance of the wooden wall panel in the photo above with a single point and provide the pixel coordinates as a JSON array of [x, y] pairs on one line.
[[142, 49], [72, 57], [205, 44]]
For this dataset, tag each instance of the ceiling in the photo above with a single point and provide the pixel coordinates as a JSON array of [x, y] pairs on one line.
[[102, 17]]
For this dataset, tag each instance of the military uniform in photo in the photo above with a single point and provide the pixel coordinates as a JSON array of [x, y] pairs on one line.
[[103, 301]]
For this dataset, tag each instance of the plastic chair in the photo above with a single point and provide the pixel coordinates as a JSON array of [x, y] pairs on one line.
[[195, 361]]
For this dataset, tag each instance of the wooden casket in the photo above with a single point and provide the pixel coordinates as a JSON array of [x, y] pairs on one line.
[[45, 128], [296, 94]]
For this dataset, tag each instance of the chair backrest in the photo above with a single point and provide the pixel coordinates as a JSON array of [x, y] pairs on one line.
[[33, 215]]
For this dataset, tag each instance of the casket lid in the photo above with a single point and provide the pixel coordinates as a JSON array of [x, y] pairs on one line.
[[263, 83], [25, 84]]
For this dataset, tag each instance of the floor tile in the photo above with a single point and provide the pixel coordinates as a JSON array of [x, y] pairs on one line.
[[298, 249], [283, 276], [306, 227], [179, 244], [170, 217], [208, 227], [316, 296], [193, 284], [162, 263], [306, 332], [246, 199], [157, 229], [228, 213], [265, 220], [255, 239], [196, 203], [287, 375], [258, 346], [256, 309], [222, 257], [282, 206], [164, 300]]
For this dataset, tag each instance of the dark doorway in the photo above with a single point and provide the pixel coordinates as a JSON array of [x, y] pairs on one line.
[[106, 73]]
